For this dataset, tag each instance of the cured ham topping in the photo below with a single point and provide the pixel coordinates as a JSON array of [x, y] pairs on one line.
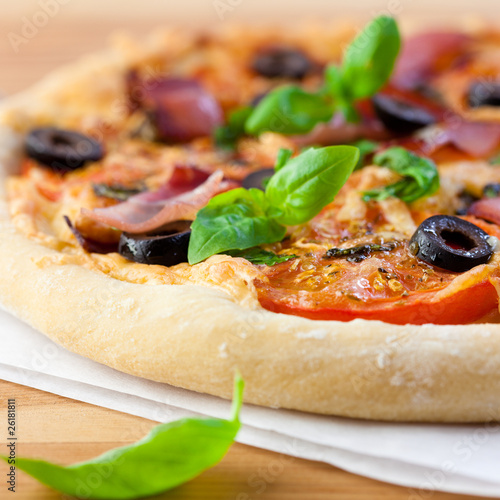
[[487, 208], [187, 191], [478, 139], [181, 109], [423, 55]]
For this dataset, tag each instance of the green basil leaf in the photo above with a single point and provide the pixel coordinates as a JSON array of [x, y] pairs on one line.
[[307, 183], [227, 136], [369, 59], [343, 102], [235, 220], [420, 176], [168, 456], [289, 110], [283, 156], [259, 256], [366, 148]]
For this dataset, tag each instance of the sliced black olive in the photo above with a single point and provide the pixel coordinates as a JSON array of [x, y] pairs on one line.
[[451, 243], [484, 94], [62, 150], [399, 115], [166, 247], [282, 62], [257, 179]]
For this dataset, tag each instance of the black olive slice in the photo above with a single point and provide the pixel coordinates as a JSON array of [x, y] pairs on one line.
[[257, 179], [166, 247], [451, 243], [279, 62], [484, 94], [62, 150], [399, 115]]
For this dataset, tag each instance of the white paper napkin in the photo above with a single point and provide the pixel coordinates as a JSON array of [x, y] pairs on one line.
[[454, 458]]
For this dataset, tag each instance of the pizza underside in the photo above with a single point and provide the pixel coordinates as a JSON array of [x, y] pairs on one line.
[[340, 316]]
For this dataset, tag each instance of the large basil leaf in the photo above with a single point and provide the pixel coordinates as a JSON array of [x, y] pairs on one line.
[[235, 220], [307, 183]]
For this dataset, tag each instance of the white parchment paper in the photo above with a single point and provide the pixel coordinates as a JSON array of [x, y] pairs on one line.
[[455, 458]]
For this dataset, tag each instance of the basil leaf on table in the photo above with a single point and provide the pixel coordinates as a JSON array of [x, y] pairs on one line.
[[242, 219], [420, 176], [259, 256], [168, 456], [227, 135], [308, 182], [234, 220], [289, 110]]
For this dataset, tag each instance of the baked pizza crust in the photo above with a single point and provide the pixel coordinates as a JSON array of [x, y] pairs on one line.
[[196, 336]]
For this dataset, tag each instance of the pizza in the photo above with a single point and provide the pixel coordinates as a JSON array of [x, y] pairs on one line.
[[318, 208]]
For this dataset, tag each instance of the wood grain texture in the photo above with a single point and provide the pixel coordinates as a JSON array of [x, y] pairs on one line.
[[68, 431]]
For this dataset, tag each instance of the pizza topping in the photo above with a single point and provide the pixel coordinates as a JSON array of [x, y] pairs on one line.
[[487, 208], [181, 109], [420, 176], [167, 246], [227, 136], [282, 62], [62, 150], [451, 243], [399, 115], [88, 244], [366, 67], [425, 54], [360, 252], [478, 139], [115, 191], [484, 93], [185, 193], [298, 191], [257, 179]]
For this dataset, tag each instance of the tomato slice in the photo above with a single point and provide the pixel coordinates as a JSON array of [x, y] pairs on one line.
[[382, 282], [465, 306]]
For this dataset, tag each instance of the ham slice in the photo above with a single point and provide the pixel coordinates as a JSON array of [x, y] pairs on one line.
[[487, 208], [180, 199], [478, 139], [422, 55], [181, 109]]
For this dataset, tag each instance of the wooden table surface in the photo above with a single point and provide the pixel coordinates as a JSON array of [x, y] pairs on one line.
[[67, 431]]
